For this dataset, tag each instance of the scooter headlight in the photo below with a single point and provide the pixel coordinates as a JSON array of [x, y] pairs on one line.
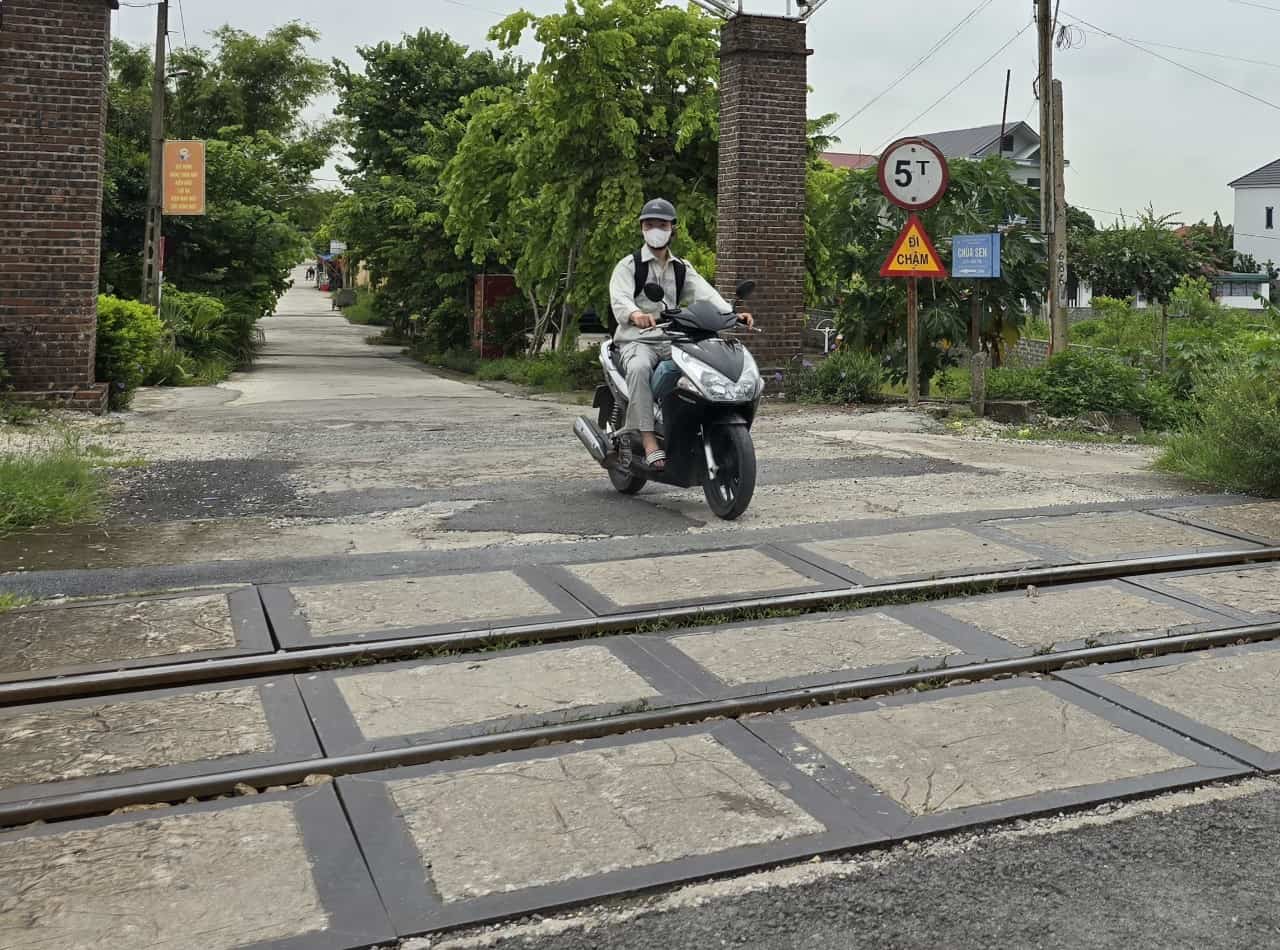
[[718, 387]]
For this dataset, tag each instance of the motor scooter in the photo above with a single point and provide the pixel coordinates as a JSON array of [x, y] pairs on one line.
[[705, 401]]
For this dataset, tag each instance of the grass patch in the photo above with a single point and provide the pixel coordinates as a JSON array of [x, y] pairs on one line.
[[547, 372], [1234, 442], [362, 313], [56, 484], [13, 601]]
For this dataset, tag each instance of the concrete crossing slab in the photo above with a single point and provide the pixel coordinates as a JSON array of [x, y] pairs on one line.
[[122, 633], [476, 840], [707, 577], [1110, 535], [279, 870], [396, 607], [991, 751], [1250, 594], [809, 650], [1254, 521], [1225, 698], [1062, 618], [82, 745], [914, 555], [367, 708]]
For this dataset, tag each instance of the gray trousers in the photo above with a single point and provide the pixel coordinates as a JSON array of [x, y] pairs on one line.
[[640, 360]]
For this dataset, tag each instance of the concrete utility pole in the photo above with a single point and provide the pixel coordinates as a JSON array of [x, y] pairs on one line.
[[1058, 313], [155, 191], [1051, 184]]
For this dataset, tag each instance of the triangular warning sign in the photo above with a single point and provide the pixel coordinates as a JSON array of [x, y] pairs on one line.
[[913, 254]]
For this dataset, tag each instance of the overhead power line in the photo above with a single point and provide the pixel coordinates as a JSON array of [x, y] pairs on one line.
[[1254, 3], [182, 15], [1191, 69], [946, 95], [1192, 49], [945, 39]]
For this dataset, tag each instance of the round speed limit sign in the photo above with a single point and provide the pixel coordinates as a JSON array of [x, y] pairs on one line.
[[914, 174]]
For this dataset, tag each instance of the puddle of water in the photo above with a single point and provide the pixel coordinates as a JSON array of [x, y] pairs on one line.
[[91, 547]]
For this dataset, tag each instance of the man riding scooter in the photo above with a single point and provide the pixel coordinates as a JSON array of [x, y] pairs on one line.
[[643, 345]]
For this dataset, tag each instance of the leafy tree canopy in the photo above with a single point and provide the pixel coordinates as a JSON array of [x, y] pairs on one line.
[[244, 98], [549, 174], [861, 227]]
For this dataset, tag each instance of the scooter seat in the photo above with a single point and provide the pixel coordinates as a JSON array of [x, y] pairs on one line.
[[615, 354]]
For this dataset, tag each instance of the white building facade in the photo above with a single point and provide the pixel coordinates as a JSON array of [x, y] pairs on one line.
[[1257, 218]]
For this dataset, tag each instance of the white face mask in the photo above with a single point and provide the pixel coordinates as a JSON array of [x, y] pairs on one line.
[[657, 237]]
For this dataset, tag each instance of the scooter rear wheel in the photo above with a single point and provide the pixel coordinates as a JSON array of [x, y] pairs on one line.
[[625, 483], [729, 493]]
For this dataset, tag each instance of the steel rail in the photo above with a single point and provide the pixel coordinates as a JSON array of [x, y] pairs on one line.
[[83, 804], [307, 659]]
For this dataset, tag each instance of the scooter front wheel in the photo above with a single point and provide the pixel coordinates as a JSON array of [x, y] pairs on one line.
[[729, 493], [626, 483]]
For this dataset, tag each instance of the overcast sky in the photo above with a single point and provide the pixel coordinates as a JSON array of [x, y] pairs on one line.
[[1138, 130]]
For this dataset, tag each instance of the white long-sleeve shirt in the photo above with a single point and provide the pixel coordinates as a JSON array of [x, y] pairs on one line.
[[625, 301]]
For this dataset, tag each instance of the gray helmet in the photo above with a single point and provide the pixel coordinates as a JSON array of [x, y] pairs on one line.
[[658, 209]]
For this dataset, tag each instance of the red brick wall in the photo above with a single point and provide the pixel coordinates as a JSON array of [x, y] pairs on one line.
[[761, 198], [53, 67]]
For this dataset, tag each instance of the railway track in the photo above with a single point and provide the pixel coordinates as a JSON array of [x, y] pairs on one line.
[[306, 659], [302, 660]]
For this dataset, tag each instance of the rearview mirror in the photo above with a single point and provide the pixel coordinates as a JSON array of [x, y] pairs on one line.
[[653, 292], [743, 290]]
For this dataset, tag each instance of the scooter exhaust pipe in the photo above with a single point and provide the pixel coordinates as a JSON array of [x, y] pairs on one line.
[[590, 435]]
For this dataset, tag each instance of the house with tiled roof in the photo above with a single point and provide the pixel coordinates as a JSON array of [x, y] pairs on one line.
[[1021, 146]]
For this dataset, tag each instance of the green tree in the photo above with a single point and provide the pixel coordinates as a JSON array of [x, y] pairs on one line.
[[621, 107], [403, 123], [244, 97], [1147, 257], [128, 157], [257, 84], [981, 198]]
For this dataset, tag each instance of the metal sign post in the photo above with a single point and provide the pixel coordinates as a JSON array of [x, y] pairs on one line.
[[914, 176], [976, 257]]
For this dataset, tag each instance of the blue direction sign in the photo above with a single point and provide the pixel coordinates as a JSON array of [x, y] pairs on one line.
[[975, 255]]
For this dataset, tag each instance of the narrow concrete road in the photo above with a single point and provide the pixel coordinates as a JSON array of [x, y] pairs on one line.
[[331, 448]]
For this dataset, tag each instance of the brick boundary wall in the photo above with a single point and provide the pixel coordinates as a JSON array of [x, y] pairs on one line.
[[760, 195], [54, 57], [1033, 353]]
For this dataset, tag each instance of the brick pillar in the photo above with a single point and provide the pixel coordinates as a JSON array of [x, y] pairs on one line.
[[54, 56], [761, 196]]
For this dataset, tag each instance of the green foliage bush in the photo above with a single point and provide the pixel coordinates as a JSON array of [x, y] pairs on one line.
[[1080, 381], [844, 377], [1132, 333], [364, 312], [130, 338], [1015, 382], [205, 340], [558, 372], [1234, 440]]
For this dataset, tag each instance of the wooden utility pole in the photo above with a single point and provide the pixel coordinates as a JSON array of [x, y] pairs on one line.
[[155, 189], [1050, 174], [1060, 334]]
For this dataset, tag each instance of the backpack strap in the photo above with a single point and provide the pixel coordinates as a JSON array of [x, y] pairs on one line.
[[642, 274]]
